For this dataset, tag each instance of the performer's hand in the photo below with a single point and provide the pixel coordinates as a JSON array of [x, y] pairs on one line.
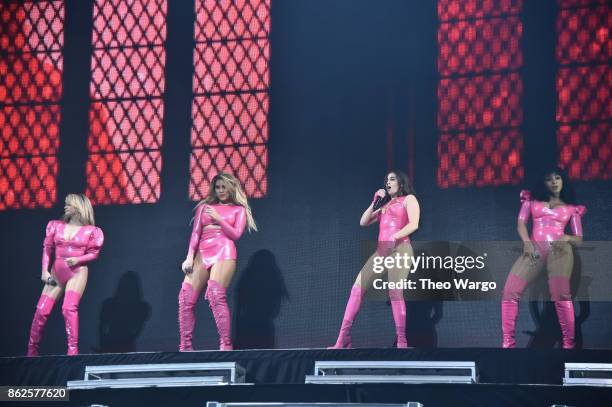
[[187, 265], [380, 193], [45, 276], [71, 261], [212, 212], [529, 250]]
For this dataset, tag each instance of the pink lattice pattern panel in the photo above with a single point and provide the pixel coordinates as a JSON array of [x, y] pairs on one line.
[[128, 23], [230, 119], [248, 163], [585, 150], [470, 9], [584, 93], [29, 130], [30, 78], [478, 46], [124, 178], [584, 35], [28, 182], [232, 66], [31, 26], [580, 3], [480, 159], [231, 19], [128, 73], [479, 102], [125, 125]]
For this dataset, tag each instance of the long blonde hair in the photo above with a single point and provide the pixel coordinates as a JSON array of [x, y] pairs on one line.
[[84, 209], [237, 196]]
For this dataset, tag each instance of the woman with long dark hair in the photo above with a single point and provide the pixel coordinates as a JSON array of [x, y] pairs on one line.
[[551, 205], [69, 245], [219, 221], [398, 217]]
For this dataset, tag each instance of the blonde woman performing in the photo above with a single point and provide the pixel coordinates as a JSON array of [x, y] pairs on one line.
[[72, 242], [219, 221], [398, 218]]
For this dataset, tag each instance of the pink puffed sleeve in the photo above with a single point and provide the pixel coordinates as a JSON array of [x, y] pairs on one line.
[[48, 244], [235, 231], [196, 231], [576, 221], [525, 211], [96, 240]]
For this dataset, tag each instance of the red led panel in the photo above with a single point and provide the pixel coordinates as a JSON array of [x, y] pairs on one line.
[[230, 119], [31, 62], [471, 9], [584, 35], [127, 110], [585, 150], [248, 163], [29, 130], [232, 19], [480, 159], [479, 102], [479, 46], [124, 177], [28, 182], [584, 94], [232, 66], [128, 23], [580, 3]]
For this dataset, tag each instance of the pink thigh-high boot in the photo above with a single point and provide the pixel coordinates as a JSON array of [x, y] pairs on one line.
[[187, 300], [560, 293], [398, 307], [216, 295], [43, 310], [513, 290], [352, 309], [70, 309]]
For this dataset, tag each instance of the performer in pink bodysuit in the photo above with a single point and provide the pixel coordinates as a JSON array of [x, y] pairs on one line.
[[73, 242], [551, 206], [399, 217], [220, 219]]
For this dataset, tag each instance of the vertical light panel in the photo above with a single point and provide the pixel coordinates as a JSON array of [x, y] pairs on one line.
[[584, 87], [479, 107], [31, 63], [231, 94], [127, 108]]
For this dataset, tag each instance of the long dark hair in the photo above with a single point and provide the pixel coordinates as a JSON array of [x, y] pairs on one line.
[[541, 193], [405, 186]]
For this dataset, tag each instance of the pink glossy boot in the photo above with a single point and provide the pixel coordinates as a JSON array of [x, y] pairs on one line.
[[352, 309], [513, 290], [43, 310], [398, 307], [560, 293], [70, 309], [216, 295], [187, 301]]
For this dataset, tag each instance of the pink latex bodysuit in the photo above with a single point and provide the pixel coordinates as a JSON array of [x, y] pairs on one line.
[[216, 244], [548, 226], [392, 218], [85, 246], [213, 244]]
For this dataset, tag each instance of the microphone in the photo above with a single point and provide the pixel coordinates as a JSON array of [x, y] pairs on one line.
[[380, 201]]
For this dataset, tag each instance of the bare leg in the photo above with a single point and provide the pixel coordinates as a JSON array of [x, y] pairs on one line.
[[48, 297], [398, 304], [220, 278], [188, 298], [560, 264], [523, 272], [70, 308]]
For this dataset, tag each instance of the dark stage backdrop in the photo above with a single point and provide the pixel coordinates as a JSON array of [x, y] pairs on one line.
[[351, 82]]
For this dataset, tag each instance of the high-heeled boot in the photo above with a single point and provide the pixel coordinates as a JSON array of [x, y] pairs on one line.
[[70, 309], [186, 314], [41, 315], [352, 309], [216, 295], [513, 290], [560, 293], [398, 307]]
